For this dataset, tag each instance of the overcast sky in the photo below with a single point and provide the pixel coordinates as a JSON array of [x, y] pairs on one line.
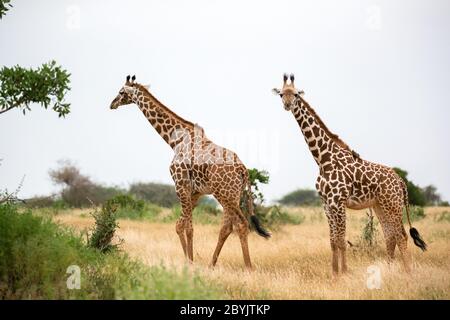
[[377, 72]]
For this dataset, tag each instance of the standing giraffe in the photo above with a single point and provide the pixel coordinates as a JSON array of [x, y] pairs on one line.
[[199, 167], [346, 180]]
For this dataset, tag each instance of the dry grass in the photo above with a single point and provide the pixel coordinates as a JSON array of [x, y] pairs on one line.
[[295, 262]]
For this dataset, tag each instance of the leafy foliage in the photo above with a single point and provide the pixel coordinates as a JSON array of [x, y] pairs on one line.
[[47, 86], [4, 7], [415, 194], [275, 216], [268, 215], [370, 231], [301, 197], [415, 213], [257, 177], [105, 227], [35, 254]]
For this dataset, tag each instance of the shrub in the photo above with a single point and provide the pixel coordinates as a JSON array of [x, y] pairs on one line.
[[130, 208], [35, 254], [370, 231], [275, 216], [105, 227], [126, 201], [415, 213]]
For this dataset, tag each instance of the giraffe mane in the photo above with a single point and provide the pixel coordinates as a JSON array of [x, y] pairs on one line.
[[332, 135], [176, 116]]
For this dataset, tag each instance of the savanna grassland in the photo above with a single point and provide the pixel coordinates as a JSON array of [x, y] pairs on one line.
[[295, 262]]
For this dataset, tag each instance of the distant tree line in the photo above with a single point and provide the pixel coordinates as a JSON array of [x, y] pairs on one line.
[[421, 196], [78, 190], [418, 196]]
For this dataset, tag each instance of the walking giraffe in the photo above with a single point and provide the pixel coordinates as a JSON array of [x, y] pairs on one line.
[[346, 180], [199, 167]]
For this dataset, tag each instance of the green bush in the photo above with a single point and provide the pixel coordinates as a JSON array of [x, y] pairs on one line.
[[369, 234], [35, 254], [275, 216], [130, 208], [105, 227], [415, 213]]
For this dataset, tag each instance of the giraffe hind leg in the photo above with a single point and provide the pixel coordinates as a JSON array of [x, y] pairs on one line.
[[227, 228], [388, 232], [402, 243], [243, 230]]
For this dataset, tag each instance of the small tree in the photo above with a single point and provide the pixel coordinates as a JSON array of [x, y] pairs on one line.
[[20, 87]]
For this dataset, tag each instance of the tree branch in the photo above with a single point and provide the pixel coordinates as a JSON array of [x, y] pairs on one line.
[[7, 109]]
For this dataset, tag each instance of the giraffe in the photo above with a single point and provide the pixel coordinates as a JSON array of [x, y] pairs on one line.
[[199, 167], [347, 181]]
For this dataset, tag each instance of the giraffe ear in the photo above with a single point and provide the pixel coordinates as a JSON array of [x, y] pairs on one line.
[[276, 91]]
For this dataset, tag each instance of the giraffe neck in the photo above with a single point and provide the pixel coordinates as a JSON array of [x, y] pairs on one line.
[[169, 125], [321, 142]]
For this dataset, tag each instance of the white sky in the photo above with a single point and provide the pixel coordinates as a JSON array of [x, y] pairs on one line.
[[377, 72]]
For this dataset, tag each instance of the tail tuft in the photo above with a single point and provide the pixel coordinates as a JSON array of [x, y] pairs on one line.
[[259, 229], [418, 241]]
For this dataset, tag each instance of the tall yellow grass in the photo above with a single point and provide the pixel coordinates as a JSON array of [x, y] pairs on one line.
[[295, 262]]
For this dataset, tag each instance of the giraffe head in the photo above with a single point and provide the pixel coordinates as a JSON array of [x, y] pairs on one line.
[[288, 93], [126, 94]]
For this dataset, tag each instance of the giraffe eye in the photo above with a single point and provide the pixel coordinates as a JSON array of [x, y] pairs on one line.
[[281, 95]]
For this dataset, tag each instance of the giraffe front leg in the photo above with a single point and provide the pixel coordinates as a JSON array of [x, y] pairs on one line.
[[179, 227], [184, 224], [337, 223], [190, 229]]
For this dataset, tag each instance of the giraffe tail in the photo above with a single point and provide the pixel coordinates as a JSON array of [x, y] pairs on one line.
[[253, 218], [418, 241]]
